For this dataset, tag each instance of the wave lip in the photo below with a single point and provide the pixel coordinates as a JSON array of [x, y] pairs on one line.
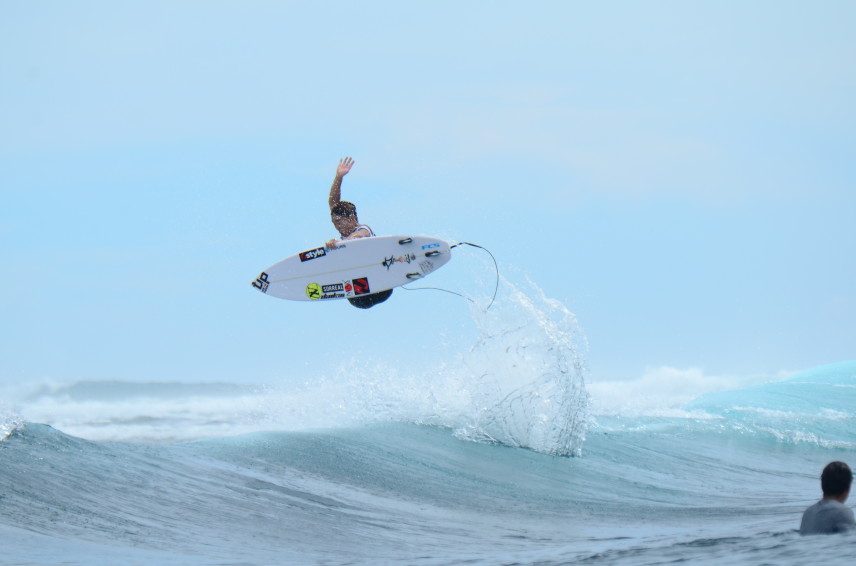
[[10, 423], [8, 428], [814, 406]]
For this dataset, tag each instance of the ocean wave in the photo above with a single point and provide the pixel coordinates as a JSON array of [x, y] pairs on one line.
[[814, 406], [521, 384], [353, 495]]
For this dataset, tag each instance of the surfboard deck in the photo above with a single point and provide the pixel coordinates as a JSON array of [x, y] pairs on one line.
[[362, 266]]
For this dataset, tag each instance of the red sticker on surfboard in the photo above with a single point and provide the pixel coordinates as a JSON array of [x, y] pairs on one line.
[[361, 286]]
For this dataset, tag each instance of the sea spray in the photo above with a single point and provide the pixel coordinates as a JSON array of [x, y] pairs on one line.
[[520, 384], [527, 375], [9, 423]]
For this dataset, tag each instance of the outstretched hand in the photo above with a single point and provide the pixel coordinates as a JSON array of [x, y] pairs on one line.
[[345, 165]]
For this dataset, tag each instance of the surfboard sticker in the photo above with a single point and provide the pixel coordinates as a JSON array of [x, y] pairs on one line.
[[261, 282], [312, 254]]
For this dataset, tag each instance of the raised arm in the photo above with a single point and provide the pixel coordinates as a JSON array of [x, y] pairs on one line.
[[345, 165]]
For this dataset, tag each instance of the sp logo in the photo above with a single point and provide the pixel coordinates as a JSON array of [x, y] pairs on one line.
[[261, 283]]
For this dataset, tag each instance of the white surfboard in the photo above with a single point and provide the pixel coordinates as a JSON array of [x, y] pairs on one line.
[[362, 266]]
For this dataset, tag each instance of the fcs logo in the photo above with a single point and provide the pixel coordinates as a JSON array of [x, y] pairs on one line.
[[429, 246]]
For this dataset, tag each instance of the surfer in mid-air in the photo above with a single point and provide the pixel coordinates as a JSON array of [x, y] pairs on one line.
[[344, 217]]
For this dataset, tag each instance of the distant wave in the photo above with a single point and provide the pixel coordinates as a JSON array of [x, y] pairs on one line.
[[114, 390], [814, 406]]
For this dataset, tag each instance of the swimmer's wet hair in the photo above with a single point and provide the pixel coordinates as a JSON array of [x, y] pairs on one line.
[[836, 478]]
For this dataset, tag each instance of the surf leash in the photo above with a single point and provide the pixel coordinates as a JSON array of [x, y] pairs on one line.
[[495, 288]]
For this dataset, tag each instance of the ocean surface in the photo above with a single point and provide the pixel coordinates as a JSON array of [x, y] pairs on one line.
[[507, 453]]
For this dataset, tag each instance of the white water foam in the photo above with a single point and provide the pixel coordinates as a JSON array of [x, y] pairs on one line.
[[663, 391], [520, 384], [9, 423]]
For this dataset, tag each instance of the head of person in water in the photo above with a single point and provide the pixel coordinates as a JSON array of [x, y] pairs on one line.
[[835, 481]]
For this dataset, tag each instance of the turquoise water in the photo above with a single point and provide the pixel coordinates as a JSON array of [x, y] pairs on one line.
[[650, 491]]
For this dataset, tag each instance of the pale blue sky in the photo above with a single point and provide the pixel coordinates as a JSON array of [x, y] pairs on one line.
[[679, 174]]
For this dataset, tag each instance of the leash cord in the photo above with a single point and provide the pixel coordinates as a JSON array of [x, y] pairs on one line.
[[495, 266]]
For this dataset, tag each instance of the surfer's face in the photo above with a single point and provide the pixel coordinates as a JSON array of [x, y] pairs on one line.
[[344, 224]]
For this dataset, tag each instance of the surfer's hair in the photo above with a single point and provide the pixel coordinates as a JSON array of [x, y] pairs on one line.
[[836, 478], [344, 208]]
